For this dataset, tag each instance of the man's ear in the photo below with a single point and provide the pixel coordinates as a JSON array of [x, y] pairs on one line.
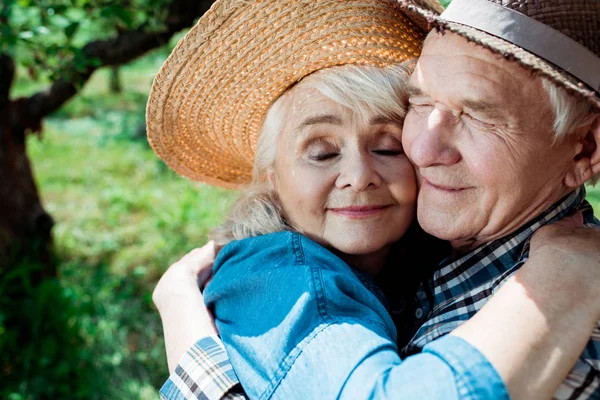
[[586, 163]]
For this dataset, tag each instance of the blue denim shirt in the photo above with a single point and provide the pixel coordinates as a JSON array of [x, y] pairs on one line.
[[297, 322]]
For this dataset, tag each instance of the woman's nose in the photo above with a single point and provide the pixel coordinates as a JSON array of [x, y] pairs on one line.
[[358, 173], [434, 141]]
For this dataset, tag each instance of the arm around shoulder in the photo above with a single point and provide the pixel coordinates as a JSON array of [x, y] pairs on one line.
[[297, 322]]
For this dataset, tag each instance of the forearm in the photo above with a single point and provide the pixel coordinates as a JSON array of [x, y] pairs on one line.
[[184, 322], [181, 305], [532, 331], [350, 361]]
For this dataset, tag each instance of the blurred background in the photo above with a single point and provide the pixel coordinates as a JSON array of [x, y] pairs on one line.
[[89, 217]]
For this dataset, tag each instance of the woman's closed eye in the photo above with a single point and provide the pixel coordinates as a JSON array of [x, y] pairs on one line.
[[388, 145], [322, 149], [388, 152], [323, 156]]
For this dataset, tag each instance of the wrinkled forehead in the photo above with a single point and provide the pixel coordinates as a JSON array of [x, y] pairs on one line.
[[304, 101], [452, 70]]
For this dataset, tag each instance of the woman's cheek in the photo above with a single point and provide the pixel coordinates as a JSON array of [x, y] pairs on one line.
[[405, 181], [311, 187]]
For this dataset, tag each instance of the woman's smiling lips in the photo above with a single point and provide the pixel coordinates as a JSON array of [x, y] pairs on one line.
[[360, 212]]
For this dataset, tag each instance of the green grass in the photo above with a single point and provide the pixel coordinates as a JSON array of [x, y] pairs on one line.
[[115, 201], [593, 196], [121, 219]]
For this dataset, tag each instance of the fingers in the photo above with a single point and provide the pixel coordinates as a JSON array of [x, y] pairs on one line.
[[200, 258], [574, 220], [199, 262], [187, 275], [566, 226], [569, 235]]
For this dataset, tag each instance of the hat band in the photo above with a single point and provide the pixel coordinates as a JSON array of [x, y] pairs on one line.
[[529, 34]]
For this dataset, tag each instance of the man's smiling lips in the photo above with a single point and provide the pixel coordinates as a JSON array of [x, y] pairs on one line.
[[360, 212], [449, 189]]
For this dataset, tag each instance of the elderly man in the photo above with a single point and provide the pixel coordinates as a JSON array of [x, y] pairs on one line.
[[503, 139], [503, 147]]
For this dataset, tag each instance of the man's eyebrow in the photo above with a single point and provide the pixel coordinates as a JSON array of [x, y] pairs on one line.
[[414, 91], [320, 119], [482, 107]]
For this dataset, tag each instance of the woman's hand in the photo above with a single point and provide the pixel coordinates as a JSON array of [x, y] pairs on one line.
[[180, 303], [191, 272], [566, 257]]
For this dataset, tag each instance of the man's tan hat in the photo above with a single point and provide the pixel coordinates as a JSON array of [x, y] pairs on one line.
[[209, 100], [556, 39]]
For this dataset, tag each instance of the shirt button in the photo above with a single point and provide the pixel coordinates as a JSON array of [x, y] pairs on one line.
[[419, 313]]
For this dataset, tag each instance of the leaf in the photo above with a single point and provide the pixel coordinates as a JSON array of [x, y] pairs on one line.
[[122, 14], [71, 29], [26, 35]]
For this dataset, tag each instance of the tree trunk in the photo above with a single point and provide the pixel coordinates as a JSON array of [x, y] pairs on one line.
[[25, 228]]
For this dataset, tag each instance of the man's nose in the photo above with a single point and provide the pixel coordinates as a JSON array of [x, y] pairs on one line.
[[358, 173], [435, 142]]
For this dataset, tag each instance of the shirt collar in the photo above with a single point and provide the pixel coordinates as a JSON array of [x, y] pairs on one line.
[[495, 258]]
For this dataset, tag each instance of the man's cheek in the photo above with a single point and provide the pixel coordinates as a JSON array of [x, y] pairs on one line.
[[489, 168]]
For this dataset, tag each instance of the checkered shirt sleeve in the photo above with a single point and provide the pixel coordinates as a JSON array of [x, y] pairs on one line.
[[204, 373]]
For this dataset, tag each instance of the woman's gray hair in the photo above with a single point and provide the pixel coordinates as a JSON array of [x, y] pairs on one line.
[[363, 89]]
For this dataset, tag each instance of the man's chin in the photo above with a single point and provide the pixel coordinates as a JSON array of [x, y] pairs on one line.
[[442, 226]]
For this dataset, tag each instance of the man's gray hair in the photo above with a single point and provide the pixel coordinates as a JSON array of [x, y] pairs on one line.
[[363, 89], [570, 113]]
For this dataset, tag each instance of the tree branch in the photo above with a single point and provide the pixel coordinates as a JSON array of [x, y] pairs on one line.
[[127, 46]]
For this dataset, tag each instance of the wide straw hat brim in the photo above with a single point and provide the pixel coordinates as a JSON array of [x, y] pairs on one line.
[[506, 50], [209, 100]]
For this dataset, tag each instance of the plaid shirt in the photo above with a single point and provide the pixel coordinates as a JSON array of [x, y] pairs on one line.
[[204, 373], [460, 288]]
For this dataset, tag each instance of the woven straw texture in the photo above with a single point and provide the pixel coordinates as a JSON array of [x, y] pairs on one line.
[[577, 19], [209, 100]]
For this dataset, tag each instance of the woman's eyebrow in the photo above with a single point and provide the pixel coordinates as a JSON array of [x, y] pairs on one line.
[[384, 120], [320, 119]]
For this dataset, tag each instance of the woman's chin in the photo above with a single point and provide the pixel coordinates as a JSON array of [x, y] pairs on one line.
[[364, 246]]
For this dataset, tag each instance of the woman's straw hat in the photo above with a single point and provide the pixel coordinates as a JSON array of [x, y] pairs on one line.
[[556, 39], [208, 102]]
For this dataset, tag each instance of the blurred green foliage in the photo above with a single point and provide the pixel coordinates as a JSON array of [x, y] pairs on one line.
[[46, 36], [121, 219]]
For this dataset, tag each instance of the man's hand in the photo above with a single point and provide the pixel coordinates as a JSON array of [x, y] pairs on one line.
[[180, 303]]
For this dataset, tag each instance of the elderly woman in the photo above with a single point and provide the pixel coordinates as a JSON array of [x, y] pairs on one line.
[[313, 104]]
